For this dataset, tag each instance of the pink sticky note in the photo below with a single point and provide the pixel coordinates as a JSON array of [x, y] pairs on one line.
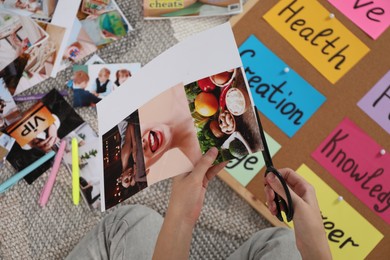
[[376, 103], [372, 16], [354, 159]]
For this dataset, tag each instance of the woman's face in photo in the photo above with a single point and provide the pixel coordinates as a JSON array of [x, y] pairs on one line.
[[156, 139]]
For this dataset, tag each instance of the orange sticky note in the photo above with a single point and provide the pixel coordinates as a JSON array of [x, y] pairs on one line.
[[318, 36]]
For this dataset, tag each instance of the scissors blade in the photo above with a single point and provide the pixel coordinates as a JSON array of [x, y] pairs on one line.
[[265, 150]]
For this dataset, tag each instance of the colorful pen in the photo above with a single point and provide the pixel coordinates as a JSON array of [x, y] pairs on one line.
[[46, 191], [20, 175], [75, 172], [36, 96]]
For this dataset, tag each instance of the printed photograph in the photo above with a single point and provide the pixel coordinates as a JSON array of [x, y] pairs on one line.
[[91, 83], [9, 111], [17, 35], [53, 118], [41, 58], [88, 143], [39, 9], [223, 115], [124, 167], [159, 9], [13, 72], [103, 21], [6, 143], [170, 144]]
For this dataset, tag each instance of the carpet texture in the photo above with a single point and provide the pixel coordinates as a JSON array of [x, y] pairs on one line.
[[30, 232]]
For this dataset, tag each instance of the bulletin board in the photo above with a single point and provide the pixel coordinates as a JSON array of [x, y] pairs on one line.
[[341, 101]]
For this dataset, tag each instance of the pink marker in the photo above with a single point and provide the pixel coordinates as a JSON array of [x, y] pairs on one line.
[[46, 191]]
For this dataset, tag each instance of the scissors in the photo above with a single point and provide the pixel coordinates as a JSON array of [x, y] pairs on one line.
[[279, 201]]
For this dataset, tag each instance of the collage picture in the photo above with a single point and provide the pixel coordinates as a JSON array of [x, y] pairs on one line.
[[179, 125]]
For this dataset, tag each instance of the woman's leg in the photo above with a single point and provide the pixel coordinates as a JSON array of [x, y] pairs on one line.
[[130, 232], [269, 243]]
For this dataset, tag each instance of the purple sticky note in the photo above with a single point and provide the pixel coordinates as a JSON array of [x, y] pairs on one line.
[[376, 103], [372, 16]]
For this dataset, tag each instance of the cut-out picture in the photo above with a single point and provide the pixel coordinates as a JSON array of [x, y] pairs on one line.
[[49, 120], [6, 143], [223, 115], [13, 72], [39, 9], [168, 135], [92, 31], [88, 143], [93, 82], [124, 167], [42, 58], [9, 111], [17, 35]]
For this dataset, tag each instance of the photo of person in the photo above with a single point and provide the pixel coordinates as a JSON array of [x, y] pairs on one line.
[[121, 76], [6, 143], [124, 168], [81, 96], [65, 121], [93, 82], [104, 22], [168, 135], [17, 35], [102, 86], [40, 9]]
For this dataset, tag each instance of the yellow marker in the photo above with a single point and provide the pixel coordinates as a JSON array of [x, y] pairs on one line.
[[75, 172]]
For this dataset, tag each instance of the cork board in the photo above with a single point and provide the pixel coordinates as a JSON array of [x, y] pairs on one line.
[[342, 98]]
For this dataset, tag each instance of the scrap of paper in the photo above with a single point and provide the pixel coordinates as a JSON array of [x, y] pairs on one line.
[[329, 46], [278, 91], [247, 167], [376, 103], [350, 235], [373, 16], [355, 159]]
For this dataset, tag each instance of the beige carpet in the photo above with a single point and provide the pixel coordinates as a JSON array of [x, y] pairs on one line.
[[29, 232]]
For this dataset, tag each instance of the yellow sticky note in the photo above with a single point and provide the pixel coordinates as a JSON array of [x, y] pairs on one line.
[[350, 236], [318, 36]]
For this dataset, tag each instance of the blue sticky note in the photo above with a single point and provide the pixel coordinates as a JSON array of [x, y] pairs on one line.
[[279, 93]]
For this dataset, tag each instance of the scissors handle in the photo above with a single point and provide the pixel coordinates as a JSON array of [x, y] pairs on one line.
[[281, 204]]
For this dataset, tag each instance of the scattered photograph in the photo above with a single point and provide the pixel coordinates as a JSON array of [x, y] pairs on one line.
[[9, 111], [13, 72], [223, 115], [123, 160], [41, 58], [88, 143], [38, 9], [6, 143], [91, 83], [41, 132], [17, 35], [160, 9], [93, 31]]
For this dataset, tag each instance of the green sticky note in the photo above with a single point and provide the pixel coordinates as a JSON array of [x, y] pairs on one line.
[[245, 168]]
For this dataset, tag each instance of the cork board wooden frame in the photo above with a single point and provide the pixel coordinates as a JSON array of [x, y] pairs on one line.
[[342, 98]]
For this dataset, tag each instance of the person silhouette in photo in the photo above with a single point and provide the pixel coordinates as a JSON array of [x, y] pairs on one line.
[[102, 86], [121, 76], [82, 97]]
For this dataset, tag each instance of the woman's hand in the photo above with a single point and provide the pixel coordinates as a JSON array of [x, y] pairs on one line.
[[188, 190], [309, 230], [186, 201]]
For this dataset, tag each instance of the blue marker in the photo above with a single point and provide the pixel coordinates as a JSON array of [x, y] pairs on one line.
[[20, 175]]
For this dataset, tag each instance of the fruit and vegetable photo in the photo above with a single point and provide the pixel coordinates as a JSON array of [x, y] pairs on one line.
[[223, 114]]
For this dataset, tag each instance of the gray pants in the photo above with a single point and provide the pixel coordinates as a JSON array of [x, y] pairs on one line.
[[131, 232]]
